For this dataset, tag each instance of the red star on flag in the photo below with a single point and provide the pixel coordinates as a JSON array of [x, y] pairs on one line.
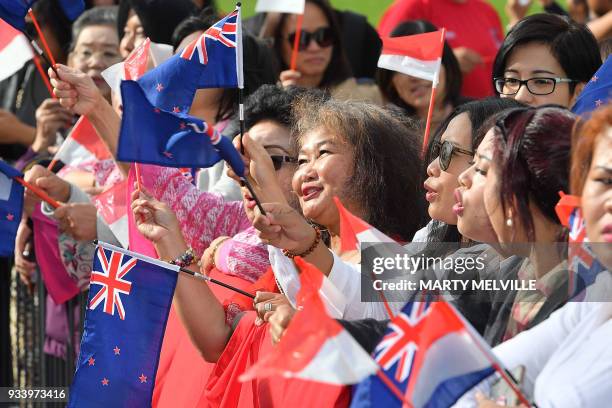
[[159, 87], [91, 361], [182, 125], [10, 217], [143, 378], [598, 102], [117, 350], [176, 109], [168, 155], [595, 78], [156, 110], [105, 381]]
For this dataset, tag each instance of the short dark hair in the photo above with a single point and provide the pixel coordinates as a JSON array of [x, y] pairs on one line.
[[274, 103], [258, 66], [338, 69], [480, 113], [572, 44], [454, 78], [93, 17], [384, 179], [532, 149]]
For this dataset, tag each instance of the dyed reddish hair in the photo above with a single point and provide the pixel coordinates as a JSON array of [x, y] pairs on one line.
[[532, 148], [586, 137]]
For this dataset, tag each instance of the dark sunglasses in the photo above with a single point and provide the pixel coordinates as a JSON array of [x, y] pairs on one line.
[[278, 161], [445, 150], [323, 36]]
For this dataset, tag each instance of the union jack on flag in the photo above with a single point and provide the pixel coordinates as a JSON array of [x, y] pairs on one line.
[[112, 282], [222, 32], [400, 344]]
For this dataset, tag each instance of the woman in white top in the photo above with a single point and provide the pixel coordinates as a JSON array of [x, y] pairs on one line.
[[568, 358]]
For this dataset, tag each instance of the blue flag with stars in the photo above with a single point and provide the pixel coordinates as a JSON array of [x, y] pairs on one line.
[[11, 206], [129, 300], [14, 11], [154, 136], [597, 92], [213, 60]]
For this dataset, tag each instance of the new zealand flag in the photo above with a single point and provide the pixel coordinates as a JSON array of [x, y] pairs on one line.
[[127, 310]]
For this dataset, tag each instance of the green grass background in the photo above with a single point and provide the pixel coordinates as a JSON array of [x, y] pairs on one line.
[[373, 9]]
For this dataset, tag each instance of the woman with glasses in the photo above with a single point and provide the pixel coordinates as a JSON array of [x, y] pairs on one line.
[[545, 59], [567, 358], [321, 62], [413, 94], [511, 191], [450, 152]]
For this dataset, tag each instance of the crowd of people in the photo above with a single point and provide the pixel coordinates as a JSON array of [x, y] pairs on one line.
[[503, 144]]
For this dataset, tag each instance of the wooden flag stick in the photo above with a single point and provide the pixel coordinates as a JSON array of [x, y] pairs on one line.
[[39, 192], [296, 42]]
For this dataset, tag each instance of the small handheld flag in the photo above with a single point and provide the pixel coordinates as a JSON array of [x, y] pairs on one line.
[[419, 56], [127, 310], [11, 207], [597, 92]]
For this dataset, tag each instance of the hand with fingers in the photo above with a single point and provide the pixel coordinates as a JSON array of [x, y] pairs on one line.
[[75, 89], [50, 117], [24, 267], [265, 303], [47, 181], [154, 219], [78, 220], [290, 78], [210, 257], [284, 228], [279, 321]]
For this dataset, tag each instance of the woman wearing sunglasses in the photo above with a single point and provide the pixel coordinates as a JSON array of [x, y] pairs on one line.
[[413, 94], [321, 62], [545, 59], [451, 150]]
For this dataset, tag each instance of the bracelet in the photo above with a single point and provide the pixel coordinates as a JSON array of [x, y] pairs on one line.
[[292, 255], [184, 259], [215, 248]]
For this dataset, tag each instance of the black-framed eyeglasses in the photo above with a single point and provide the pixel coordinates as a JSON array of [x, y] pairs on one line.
[[278, 160], [323, 36], [536, 86], [445, 150]]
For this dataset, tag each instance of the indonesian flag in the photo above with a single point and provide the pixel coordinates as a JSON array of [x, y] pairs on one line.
[[280, 6], [314, 347], [144, 57], [112, 206], [83, 144], [15, 50], [354, 230], [417, 55]]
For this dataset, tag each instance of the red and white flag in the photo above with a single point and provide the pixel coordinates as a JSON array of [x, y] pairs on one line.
[[112, 206], [280, 6], [314, 347], [417, 55], [83, 144], [144, 57], [354, 230], [15, 50]]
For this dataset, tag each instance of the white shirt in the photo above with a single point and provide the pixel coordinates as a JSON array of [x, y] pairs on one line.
[[567, 358]]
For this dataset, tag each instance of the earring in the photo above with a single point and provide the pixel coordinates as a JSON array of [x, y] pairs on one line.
[[509, 222]]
